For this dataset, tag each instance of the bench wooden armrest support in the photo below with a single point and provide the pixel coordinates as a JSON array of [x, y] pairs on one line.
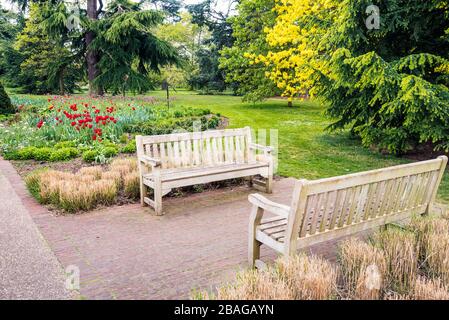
[[150, 161], [268, 205]]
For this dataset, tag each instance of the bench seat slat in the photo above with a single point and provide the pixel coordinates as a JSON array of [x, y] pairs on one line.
[[184, 173]]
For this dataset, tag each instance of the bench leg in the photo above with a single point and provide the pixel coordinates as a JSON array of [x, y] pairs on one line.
[[269, 184], [253, 244], [158, 199], [143, 192], [254, 252]]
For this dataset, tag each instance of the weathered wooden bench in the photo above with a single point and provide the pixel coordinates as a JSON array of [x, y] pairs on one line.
[[185, 159], [330, 208]]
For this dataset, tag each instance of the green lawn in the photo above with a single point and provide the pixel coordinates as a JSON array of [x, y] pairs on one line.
[[305, 149]]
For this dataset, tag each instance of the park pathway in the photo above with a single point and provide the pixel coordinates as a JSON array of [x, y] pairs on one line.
[[28, 267], [126, 252]]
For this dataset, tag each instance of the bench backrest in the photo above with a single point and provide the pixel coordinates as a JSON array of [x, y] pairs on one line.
[[198, 149], [333, 203]]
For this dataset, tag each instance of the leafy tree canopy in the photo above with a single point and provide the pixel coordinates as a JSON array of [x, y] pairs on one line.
[[389, 85], [250, 39]]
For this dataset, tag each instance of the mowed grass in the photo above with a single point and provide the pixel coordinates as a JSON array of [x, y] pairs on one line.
[[306, 150]]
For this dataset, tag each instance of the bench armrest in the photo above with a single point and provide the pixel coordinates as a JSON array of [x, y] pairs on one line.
[[150, 161], [268, 205], [256, 146]]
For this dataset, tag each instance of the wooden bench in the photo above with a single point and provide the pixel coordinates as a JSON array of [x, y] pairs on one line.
[[184, 159], [330, 208]]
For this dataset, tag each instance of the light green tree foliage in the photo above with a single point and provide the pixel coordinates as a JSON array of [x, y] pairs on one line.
[[248, 26], [185, 37]]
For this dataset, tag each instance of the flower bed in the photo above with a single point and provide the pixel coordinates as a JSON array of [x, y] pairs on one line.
[[96, 129]]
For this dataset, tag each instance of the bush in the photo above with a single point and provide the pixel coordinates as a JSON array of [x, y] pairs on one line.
[[90, 155], [43, 154], [63, 154], [129, 148], [5, 103], [26, 153], [109, 152]]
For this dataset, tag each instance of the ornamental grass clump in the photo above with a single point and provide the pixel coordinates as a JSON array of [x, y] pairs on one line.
[[112, 175], [75, 196], [363, 269], [437, 256], [131, 185], [401, 254], [254, 285], [95, 171], [430, 289], [308, 277], [87, 188], [299, 277]]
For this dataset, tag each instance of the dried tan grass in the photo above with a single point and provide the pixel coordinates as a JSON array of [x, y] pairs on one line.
[[75, 196], [86, 178], [363, 269], [88, 187], [437, 256], [105, 191], [308, 277], [401, 255], [95, 171], [255, 285], [131, 163], [123, 170], [430, 289], [131, 184], [112, 175]]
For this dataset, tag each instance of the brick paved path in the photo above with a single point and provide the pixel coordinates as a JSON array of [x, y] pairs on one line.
[[128, 253]]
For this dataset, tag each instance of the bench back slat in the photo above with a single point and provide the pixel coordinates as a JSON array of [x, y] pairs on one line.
[[339, 202], [198, 149]]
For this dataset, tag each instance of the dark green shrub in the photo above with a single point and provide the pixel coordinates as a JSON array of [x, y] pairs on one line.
[[213, 122], [43, 154], [6, 106], [90, 155], [63, 154], [129, 148]]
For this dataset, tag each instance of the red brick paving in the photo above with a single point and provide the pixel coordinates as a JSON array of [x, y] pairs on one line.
[[126, 252]]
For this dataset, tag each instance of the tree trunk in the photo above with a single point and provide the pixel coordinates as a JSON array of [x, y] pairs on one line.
[[92, 56], [290, 104], [61, 82]]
